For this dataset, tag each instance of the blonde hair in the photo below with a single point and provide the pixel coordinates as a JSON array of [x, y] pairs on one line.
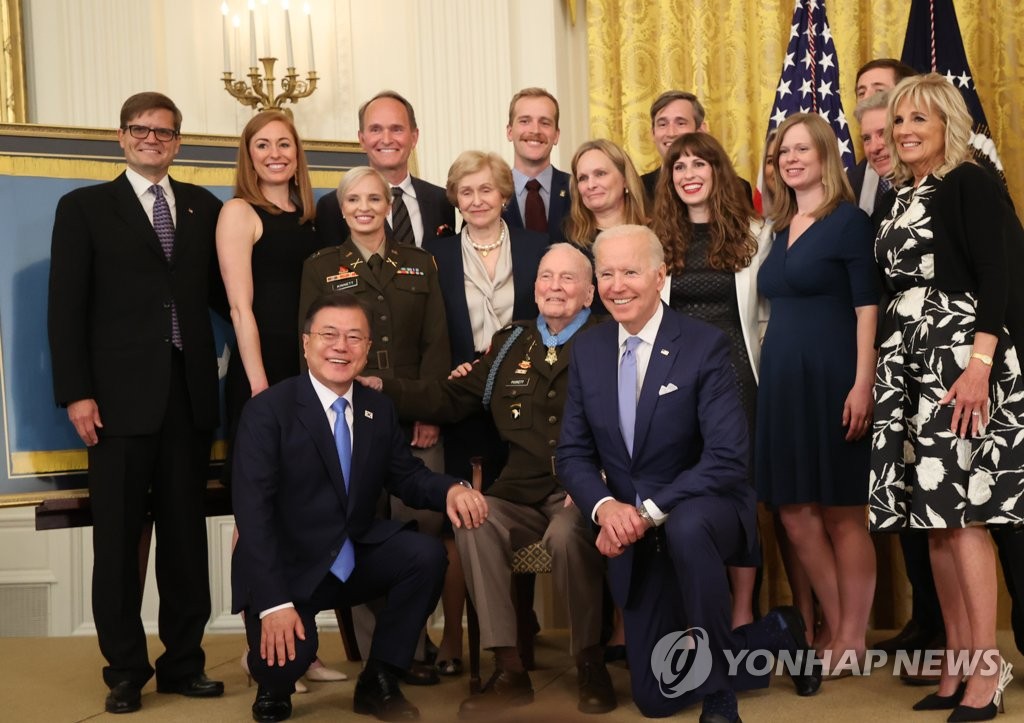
[[474, 161], [355, 175], [833, 177], [581, 226], [936, 94]]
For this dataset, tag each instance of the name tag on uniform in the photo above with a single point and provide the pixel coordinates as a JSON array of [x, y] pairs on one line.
[[341, 275], [518, 383], [350, 284], [410, 271]]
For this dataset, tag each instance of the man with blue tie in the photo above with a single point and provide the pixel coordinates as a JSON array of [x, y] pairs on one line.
[[654, 451], [313, 454], [541, 200]]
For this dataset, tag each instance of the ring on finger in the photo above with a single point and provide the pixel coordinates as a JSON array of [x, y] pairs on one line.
[[975, 413]]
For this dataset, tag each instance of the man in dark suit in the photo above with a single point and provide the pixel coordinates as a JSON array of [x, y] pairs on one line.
[[541, 199], [654, 451], [675, 113], [876, 76], [308, 537], [134, 363], [388, 133]]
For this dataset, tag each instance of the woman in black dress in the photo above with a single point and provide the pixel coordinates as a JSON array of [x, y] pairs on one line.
[[713, 248], [264, 234]]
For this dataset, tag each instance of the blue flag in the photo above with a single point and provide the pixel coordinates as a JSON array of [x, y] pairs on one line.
[[934, 43], [810, 75]]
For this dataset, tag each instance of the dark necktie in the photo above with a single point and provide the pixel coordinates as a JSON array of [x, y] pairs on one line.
[[885, 184], [627, 391], [164, 227], [376, 263], [401, 224], [345, 562], [536, 218]]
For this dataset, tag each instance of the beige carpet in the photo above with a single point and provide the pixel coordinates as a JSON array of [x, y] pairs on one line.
[[58, 680]]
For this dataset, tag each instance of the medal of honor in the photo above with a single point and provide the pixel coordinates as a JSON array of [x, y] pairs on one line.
[[552, 355]]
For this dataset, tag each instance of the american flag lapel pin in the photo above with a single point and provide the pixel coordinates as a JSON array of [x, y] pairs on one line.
[[664, 352], [368, 414]]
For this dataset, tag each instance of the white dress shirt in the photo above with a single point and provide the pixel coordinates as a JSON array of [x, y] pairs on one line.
[[413, 206], [141, 186]]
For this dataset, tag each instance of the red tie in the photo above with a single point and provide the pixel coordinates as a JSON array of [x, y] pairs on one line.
[[536, 218]]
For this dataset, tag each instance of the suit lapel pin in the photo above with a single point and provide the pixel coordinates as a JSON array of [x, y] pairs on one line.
[[664, 352], [189, 211], [561, 194], [368, 414]]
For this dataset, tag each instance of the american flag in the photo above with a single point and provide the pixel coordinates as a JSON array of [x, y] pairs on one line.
[[810, 75], [934, 44]]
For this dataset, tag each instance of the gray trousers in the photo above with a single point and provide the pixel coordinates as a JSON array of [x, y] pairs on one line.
[[577, 567]]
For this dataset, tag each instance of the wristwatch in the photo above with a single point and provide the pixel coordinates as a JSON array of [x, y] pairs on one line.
[[645, 515]]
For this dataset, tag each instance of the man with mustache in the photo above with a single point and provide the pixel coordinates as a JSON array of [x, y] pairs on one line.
[[542, 191]]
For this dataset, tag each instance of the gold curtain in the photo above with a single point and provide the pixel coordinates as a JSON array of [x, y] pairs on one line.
[[730, 55], [12, 64]]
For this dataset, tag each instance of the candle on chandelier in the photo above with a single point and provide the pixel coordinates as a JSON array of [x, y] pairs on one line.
[[309, 17], [288, 36], [252, 33], [227, 42]]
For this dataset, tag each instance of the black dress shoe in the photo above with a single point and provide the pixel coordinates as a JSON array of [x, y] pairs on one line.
[[716, 718], [271, 706], [377, 694], [912, 637], [790, 620], [597, 695], [124, 697], [421, 674], [504, 690], [197, 686]]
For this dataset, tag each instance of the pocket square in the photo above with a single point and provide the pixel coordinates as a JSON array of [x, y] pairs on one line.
[[667, 389]]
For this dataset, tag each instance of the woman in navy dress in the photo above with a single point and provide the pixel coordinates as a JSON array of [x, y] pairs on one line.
[[814, 400]]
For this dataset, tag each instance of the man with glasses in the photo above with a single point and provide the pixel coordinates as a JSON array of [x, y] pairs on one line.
[[134, 364], [313, 454]]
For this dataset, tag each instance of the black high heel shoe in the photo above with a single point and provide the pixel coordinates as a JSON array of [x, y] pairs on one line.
[[964, 713], [934, 701]]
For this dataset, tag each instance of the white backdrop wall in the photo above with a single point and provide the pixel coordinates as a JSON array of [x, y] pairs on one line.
[[458, 61]]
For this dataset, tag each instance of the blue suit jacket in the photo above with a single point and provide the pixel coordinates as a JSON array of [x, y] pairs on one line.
[[289, 498], [690, 438], [527, 249], [558, 208]]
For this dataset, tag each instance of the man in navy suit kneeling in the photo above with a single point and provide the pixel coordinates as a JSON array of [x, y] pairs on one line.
[[654, 451], [311, 458]]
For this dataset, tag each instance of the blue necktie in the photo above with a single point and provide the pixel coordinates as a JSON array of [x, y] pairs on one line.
[[346, 560], [627, 391], [163, 224]]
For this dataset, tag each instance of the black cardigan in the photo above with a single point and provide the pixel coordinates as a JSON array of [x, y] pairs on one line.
[[978, 245]]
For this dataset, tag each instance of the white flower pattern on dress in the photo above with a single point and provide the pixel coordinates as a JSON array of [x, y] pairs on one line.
[[923, 475]]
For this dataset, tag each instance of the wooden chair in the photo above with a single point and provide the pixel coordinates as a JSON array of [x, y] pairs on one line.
[[527, 562]]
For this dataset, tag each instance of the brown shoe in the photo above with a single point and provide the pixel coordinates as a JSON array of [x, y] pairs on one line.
[[503, 690], [596, 692]]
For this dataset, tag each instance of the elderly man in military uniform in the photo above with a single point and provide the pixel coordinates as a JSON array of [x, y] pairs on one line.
[[523, 381], [397, 285]]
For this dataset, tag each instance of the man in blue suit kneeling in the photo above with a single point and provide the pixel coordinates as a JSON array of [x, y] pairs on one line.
[[312, 455], [654, 450]]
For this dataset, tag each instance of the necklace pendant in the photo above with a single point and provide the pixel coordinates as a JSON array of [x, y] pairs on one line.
[[484, 252], [552, 355]]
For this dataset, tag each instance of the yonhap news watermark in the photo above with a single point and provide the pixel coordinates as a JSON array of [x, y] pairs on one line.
[[682, 660]]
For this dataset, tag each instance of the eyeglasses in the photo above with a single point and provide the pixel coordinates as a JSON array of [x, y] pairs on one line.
[[142, 133], [331, 337]]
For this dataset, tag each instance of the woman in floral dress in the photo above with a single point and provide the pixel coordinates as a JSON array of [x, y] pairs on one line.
[[947, 450]]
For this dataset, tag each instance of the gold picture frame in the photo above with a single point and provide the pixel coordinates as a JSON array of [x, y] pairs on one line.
[[13, 108]]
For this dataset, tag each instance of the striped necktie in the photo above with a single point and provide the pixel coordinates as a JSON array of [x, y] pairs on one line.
[[401, 224], [163, 224]]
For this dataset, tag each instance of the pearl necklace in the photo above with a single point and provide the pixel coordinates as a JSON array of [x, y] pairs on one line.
[[485, 249]]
